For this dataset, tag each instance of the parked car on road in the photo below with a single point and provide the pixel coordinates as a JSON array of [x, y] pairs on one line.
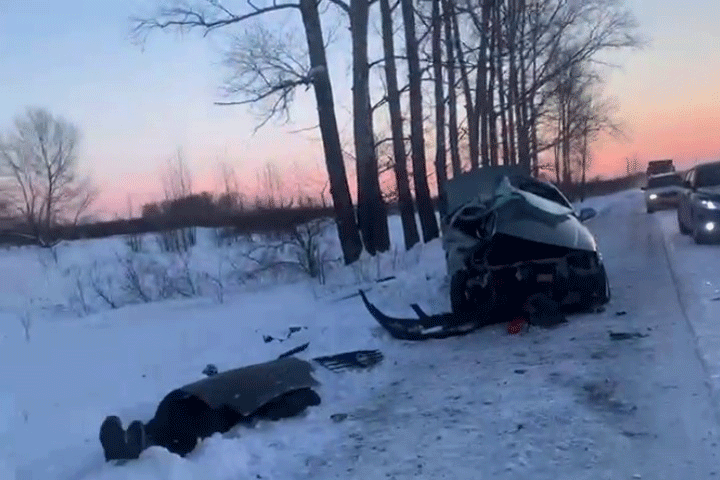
[[699, 206], [663, 191]]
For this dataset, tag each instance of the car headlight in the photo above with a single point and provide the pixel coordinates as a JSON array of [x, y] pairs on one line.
[[653, 196], [710, 204]]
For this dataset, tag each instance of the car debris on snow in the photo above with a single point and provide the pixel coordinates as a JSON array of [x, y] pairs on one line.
[[272, 390], [626, 335]]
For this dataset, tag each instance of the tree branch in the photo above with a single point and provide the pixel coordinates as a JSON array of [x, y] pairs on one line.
[[189, 18]]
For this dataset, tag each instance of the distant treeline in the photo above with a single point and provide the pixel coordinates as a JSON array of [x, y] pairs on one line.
[[204, 210], [198, 210], [600, 186]]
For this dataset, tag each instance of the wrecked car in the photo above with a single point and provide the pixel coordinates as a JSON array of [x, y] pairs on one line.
[[508, 237]]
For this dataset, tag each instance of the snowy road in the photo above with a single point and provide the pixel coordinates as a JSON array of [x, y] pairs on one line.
[[696, 269], [564, 404]]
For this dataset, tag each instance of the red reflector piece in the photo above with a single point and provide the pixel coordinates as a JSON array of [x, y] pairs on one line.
[[516, 325]]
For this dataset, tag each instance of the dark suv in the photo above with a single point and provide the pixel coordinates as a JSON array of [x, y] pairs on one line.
[[699, 207]]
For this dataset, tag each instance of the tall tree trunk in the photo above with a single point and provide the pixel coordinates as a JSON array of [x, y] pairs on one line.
[[448, 13], [490, 94], [567, 171], [483, 92], [440, 152], [497, 29], [584, 164], [405, 200], [558, 144], [469, 109], [372, 214], [425, 207], [523, 130], [342, 202], [533, 94], [381, 234], [512, 26]]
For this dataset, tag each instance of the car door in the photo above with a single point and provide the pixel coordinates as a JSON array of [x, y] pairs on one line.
[[684, 209], [689, 193]]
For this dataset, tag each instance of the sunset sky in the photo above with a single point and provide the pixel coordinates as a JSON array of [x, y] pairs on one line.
[[136, 107]]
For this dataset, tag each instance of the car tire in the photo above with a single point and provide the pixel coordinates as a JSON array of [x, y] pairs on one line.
[[683, 229], [650, 209], [459, 299], [603, 292], [698, 236]]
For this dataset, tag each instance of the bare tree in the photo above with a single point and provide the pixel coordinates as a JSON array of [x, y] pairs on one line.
[[272, 186], [230, 198], [453, 136], [177, 185], [425, 207], [437, 60], [632, 164], [269, 79], [581, 115], [520, 53], [372, 212], [405, 200], [39, 159], [177, 178]]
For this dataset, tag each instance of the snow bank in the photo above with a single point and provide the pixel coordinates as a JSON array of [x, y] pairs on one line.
[[87, 363]]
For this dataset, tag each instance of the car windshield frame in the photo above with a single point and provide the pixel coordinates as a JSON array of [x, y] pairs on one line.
[[664, 181], [707, 176]]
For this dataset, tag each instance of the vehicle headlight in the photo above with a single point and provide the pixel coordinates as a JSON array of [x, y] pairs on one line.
[[653, 196], [710, 204], [710, 226]]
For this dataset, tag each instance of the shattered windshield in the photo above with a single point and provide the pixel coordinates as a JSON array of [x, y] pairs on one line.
[[540, 189]]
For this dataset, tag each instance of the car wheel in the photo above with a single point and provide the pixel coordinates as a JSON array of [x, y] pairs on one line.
[[683, 229], [603, 292], [698, 236], [650, 210], [460, 300]]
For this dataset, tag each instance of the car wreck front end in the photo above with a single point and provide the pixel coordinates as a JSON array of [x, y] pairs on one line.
[[512, 243], [524, 238]]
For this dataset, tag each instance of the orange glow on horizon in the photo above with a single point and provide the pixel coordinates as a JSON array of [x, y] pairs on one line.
[[687, 135]]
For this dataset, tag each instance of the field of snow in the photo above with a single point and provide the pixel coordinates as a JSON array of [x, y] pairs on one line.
[[69, 359], [74, 359]]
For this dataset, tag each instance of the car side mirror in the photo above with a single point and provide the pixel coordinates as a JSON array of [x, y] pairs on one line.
[[586, 214]]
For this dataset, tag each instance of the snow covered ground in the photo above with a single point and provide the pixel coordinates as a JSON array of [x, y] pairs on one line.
[[566, 403]]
